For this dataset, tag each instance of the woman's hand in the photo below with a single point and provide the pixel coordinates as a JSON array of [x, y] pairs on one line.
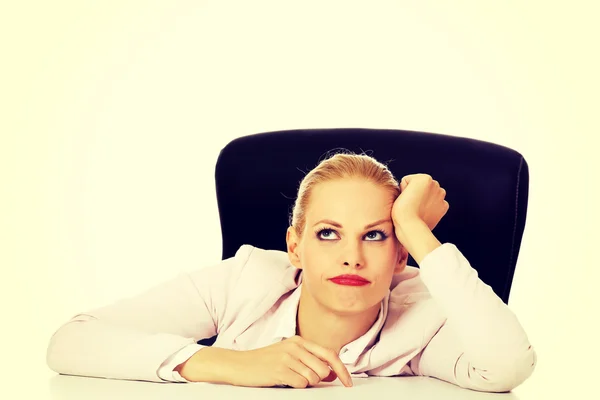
[[421, 199], [294, 362]]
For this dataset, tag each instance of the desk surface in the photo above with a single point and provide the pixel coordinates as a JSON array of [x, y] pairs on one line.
[[64, 387], [548, 381]]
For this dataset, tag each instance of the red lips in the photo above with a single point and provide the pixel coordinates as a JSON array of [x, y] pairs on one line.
[[350, 280]]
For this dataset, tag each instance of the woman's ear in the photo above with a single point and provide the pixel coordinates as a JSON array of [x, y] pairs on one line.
[[292, 241], [401, 260]]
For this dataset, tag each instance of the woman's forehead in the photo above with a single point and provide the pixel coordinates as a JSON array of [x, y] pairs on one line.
[[350, 188], [349, 200]]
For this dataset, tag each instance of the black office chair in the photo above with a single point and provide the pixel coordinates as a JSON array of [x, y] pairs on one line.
[[257, 178]]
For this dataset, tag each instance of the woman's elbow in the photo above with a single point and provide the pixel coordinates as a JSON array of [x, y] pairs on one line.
[[506, 376], [60, 349]]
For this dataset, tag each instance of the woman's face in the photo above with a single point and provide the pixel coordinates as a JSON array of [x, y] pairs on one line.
[[348, 230]]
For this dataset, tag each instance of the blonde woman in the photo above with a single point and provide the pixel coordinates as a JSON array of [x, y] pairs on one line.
[[341, 303]]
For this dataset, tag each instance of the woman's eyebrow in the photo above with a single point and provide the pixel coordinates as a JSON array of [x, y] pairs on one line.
[[338, 225], [381, 221]]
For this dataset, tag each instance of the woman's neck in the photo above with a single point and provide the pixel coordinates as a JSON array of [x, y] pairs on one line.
[[328, 329]]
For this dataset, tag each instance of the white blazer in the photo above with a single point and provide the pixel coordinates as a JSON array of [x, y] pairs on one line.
[[439, 320]]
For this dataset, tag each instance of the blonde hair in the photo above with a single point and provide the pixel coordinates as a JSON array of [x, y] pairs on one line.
[[340, 165]]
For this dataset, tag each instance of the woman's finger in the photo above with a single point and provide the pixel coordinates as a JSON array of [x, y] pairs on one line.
[[301, 375], [331, 358], [316, 364]]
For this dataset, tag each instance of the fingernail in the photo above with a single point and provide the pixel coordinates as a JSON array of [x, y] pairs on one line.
[[331, 377]]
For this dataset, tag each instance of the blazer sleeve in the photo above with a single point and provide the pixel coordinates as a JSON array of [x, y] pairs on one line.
[[132, 338], [482, 345], [167, 369]]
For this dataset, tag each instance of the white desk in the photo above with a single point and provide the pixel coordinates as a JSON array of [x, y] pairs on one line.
[[63, 387], [551, 380]]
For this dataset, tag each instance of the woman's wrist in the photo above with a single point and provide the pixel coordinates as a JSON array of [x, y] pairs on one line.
[[209, 364], [416, 237]]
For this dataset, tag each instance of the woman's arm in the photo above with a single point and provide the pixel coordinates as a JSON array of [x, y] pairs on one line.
[[132, 338], [482, 345]]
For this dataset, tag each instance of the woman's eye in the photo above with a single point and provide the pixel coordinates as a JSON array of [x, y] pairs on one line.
[[326, 234], [375, 235], [330, 234]]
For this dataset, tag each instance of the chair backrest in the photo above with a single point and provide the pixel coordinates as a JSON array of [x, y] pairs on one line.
[[257, 178]]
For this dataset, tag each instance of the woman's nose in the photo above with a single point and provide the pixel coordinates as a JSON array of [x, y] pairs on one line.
[[356, 265], [353, 256]]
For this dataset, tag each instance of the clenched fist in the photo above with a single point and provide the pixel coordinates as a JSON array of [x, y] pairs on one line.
[[421, 198]]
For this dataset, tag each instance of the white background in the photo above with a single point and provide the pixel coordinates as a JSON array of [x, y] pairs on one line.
[[113, 114]]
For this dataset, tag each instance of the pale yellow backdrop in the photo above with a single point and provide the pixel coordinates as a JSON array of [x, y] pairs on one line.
[[113, 113]]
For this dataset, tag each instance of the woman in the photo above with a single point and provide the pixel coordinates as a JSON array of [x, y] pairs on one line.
[[341, 303]]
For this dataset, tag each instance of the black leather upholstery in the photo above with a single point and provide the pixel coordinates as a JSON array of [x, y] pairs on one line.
[[257, 177]]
